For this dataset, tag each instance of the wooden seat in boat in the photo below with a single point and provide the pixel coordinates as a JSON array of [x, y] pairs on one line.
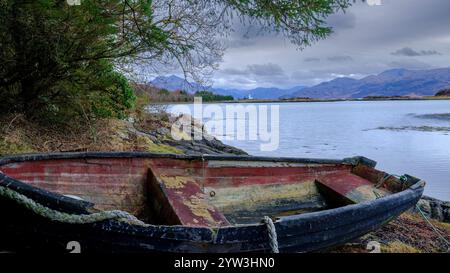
[[348, 188], [180, 200]]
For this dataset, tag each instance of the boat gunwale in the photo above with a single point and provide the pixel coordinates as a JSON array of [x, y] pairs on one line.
[[92, 155], [209, 234]]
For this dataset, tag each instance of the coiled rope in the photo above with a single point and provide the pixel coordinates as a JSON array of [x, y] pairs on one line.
[[63, 217], [272, 234]]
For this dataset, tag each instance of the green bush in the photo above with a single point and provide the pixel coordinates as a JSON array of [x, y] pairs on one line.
[[57, 60], [100, 92], [209, 96]]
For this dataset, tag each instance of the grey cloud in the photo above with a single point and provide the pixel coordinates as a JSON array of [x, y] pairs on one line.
[[402, 21], [365, 36], [268, 69], [236, 43], [262, 70], [308, 77], [409, 52], [312, 60], [245, 33], [241, 80], [340, 59], [409, 64], [254, 75], [313, 77], [234, 72], [342, 21]]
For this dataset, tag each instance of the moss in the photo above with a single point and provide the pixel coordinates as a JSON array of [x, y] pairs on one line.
[[411, 216], [443, 225], [146, 144], [399, 247], [8, 148], [178, 135], [115, 136], [163, 149]]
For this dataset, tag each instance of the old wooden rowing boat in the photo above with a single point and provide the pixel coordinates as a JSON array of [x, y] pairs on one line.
[[193, 204]]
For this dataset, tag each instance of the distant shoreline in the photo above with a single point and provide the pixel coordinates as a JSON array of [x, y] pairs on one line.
[[338, 100], [428, 98]]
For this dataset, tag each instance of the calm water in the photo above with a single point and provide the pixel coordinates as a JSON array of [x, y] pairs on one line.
[[344, 129]]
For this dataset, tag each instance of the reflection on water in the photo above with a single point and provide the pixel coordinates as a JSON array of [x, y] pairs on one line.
[[345, 129]]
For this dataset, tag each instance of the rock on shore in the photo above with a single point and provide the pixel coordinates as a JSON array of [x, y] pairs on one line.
[[187, 143], [435, 209]]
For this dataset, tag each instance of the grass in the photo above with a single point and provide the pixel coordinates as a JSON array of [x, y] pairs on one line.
[[436, 98], [398, 247], [13, 140], [8, 148], [442, 225], [18, 136], [146, 144]]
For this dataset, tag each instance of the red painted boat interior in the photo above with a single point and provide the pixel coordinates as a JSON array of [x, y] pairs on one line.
[[203, 193]]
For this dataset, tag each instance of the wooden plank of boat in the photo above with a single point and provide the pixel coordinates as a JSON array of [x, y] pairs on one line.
[[197, 204], [348, 188], [181, 201]]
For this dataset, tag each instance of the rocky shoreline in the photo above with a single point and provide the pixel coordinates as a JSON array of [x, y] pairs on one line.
[[207, 145], [435, 209]]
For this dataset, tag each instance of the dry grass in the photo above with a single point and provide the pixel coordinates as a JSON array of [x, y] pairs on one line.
[[17, 135], [445, 226], [398, 247]]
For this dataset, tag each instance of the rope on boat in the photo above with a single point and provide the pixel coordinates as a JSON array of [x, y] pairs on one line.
[[382, 180], [403, 179], [63, 217], [272, 233], [432, 226]]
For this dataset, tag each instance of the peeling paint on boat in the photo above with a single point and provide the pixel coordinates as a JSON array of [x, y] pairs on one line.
[[175, 182]]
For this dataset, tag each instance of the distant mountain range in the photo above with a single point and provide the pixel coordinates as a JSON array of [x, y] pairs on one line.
[[259, 93], [173, 83], [395, 82]]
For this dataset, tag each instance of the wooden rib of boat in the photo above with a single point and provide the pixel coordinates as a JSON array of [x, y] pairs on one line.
[[197, 204]]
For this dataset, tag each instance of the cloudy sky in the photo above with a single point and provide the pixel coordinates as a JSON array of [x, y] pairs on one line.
[[413, 34]]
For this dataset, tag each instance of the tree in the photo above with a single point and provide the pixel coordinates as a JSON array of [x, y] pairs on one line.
[[443, 93], [210, 96], [61, 60], [58, 57]]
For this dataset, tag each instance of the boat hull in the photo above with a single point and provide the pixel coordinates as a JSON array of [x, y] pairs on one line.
[[22, 230]]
